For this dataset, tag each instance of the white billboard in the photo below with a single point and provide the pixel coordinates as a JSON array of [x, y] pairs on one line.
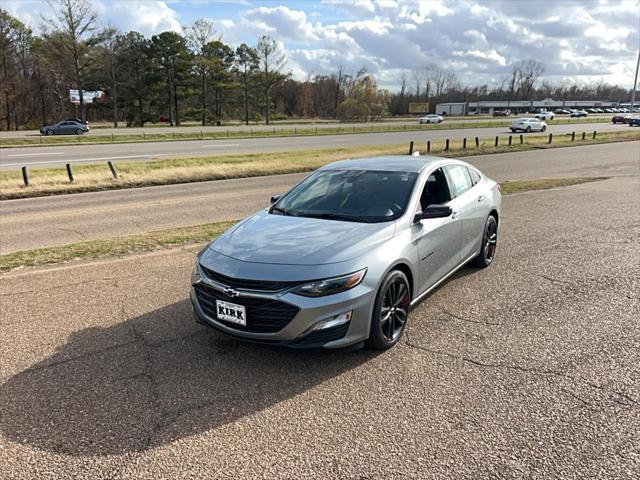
[[88, 96]]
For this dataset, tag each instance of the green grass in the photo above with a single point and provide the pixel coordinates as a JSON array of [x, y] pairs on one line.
[[96, 177], [114, 246], [196, 234], [276, 132]]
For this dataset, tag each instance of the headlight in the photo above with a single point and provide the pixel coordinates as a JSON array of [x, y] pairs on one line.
[[196, 276], [330, 286]]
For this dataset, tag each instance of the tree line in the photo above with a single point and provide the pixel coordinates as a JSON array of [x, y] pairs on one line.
[[196, 76]]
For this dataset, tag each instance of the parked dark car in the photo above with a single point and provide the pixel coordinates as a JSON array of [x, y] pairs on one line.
[[634, 121], [619, 119], [501, 113], [66, 127]]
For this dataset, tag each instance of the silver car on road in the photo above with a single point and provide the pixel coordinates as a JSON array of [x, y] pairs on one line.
[[341, 258]]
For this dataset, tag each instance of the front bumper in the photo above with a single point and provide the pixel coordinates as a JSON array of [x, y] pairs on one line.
[[296, 332]]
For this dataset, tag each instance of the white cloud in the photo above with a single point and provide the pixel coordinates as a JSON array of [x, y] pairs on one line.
[[146, 16], [476, 39]]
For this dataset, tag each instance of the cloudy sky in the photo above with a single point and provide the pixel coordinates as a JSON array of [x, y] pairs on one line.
[[578, 40]]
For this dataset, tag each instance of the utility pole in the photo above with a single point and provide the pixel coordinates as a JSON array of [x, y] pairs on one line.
[[635, 82]]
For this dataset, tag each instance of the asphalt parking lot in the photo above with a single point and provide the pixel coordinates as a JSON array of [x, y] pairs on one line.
[[528, 369]]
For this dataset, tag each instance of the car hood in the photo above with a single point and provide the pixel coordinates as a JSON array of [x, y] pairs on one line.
[[279, 239]]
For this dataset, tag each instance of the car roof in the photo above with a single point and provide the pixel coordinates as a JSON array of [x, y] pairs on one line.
[[391, 163]]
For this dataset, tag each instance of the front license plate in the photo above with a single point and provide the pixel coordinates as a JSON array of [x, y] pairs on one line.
[[231, 312]]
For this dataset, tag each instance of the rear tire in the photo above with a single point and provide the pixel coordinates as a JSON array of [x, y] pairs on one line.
[[528, 130], [489, 243], [390, 311], [544, 128]]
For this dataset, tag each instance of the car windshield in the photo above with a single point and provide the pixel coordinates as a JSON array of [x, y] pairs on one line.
[[367, 196]]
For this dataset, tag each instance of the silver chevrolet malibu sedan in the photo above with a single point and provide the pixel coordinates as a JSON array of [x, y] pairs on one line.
[[340, 259]]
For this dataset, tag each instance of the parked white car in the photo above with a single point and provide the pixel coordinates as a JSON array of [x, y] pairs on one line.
[[545, 115], [528, 125], [431, 118]]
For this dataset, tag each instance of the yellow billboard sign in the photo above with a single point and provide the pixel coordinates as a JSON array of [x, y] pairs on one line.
[[418, 107]]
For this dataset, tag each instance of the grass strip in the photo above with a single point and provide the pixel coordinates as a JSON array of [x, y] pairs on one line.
[[160, 239], [96, 177], [116, 246], [260, 133]]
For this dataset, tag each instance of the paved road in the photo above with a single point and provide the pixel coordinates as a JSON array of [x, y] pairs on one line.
[[278, 126], [39, 222], [14, 158], [103, 374]]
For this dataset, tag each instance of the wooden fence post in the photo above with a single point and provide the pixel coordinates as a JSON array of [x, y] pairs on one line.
[[70, 173], [25, 176]]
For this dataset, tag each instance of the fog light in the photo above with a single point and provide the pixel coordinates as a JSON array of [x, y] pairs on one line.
[[331, 322]]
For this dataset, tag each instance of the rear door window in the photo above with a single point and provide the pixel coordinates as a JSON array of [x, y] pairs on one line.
[[459, 179], [475, 176]]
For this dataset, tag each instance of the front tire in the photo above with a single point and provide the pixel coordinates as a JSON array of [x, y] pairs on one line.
[[390, 311], [79, 131], [489, 243], [49, 132], [528, 130], [544, 129]]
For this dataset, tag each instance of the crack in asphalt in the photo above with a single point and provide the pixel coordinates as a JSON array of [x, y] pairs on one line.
[[463, 319], [557, 280], [629, 401], [73, 230]]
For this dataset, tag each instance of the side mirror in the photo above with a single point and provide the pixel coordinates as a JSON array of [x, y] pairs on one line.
[[275, 198], [433, 211]]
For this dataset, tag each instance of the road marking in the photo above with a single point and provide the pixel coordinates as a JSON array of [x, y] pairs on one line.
[[34, 154], [84, 160], [220, 145]]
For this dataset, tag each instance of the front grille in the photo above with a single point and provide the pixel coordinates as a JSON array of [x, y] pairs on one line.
[[320, 337], [263, 315], [261, 285]]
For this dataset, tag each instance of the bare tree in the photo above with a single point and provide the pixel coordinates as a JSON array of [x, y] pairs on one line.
[[109, 52], [272, 61], [526, 74], [199, 34], [339, 88], [74, 25]]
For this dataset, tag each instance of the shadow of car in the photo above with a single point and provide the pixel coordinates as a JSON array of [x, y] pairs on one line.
[[128, 387]]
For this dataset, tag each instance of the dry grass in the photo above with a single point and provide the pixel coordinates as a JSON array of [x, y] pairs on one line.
[[92, 177], [196, 234]]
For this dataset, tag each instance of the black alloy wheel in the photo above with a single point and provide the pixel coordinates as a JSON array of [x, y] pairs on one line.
[[391, 311], [489, 243]]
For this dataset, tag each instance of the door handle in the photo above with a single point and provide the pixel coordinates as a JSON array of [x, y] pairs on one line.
[[455, 214], [481, 198]]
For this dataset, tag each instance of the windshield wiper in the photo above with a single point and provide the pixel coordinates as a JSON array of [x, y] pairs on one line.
[[280, 210], [335, 216]]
